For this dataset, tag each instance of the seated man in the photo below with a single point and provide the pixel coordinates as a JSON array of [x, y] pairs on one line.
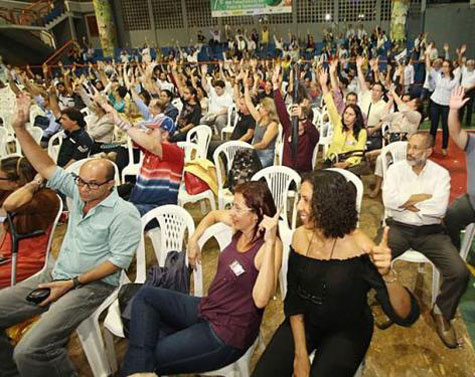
[[416, 193], [103, 234], [162, 167]]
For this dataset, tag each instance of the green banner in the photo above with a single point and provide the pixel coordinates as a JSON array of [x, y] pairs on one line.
[[223, 8]]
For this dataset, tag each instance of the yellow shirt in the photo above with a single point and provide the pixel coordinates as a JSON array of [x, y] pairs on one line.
[[343, 141]]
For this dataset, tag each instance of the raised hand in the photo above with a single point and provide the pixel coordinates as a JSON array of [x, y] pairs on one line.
[[276, 75], [333, 66], [380, 254], [22, 113], [456, 100], [269, 226], [359, 61]]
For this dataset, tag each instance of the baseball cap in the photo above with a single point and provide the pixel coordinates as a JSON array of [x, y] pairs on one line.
[[164, 122]]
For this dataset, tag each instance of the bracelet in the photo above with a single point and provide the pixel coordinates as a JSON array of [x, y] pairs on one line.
[[390, 279], [76, 282]]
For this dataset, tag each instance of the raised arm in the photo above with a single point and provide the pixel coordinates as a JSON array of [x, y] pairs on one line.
[[457, 101], [37, 156], [247, 97], [217, 216], [361, 78]]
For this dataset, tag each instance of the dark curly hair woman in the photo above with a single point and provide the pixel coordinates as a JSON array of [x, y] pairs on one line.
[[332, 266]]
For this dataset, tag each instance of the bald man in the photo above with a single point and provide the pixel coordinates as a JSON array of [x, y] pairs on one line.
[[416, 194], [102, 236]]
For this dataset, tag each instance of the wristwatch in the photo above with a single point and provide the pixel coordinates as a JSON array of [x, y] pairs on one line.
[[76, 282]]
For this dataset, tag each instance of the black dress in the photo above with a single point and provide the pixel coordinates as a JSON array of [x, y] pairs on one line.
[[332, 296]]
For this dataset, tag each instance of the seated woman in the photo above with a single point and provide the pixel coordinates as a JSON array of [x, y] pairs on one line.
[[349, 134], [267, 120], [100, 125], [35, 208], [214, 331], [402, 124], [332, 266]]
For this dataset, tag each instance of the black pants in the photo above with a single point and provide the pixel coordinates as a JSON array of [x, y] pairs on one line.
[[469, 107], [338, 352], [458, 216], [439, 112], [438, 248]]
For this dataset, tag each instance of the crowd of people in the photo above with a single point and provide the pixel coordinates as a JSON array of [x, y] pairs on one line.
[[282, 108]]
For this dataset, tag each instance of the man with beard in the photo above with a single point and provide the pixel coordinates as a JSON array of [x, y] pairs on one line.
[[416, 194]]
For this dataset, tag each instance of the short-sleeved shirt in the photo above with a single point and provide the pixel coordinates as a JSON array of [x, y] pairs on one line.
[[189, 114], [470, 150], [244, 123], [159, 178], [109, 232], [76, 146]]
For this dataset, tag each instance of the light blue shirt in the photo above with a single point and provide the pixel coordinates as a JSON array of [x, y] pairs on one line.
[[109, 232]]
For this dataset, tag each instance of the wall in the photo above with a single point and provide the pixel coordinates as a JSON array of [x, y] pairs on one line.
[[451, 23]]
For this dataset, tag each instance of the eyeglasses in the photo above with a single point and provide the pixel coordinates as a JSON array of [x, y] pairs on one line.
[[90, 185], [240, 210]]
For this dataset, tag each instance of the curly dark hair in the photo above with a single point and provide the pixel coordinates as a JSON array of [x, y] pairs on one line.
[[359, 121], [333, 203]]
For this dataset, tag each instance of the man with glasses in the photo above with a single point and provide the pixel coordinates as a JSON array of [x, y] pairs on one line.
[[102, 236], [416, 194]]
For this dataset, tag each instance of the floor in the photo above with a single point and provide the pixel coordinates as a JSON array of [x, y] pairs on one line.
[[395, 352]]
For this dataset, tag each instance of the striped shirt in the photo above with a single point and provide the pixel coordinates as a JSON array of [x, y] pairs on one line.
[[159, 178]]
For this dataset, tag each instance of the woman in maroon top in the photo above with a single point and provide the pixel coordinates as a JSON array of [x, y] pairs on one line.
[[308, 133], [173, 333]]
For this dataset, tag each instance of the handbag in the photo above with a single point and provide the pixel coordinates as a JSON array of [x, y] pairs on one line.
[[194, 185]]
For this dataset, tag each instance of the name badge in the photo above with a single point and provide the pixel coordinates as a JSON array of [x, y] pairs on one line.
[[237, 268]]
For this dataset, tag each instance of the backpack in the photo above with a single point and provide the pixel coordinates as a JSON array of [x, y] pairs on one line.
[[246, 163], [175, 275]]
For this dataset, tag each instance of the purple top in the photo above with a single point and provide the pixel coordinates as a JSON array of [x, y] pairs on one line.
[[229, 306]]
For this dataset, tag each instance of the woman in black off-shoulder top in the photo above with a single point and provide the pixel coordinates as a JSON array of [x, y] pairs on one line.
[[332, 266]]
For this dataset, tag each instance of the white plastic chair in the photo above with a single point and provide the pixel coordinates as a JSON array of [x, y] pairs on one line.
[[200, 135], [173, 222], [392, 153], [35, 132], [228, 149], [230, 124], [469, 234], [50, 238], [191, 149], [3, 142], [353, 178], [223, 235], [54, 145], [279, 179], [133, 168]]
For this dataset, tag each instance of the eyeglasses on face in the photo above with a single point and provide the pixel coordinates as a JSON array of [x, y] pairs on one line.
[[240, 210], [90, 185]]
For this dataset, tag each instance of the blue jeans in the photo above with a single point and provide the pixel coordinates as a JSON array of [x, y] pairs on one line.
[[167, 336]]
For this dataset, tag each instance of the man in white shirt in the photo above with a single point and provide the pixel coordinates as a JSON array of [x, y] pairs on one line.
[[219, 102], [416, 194], [350, 32]]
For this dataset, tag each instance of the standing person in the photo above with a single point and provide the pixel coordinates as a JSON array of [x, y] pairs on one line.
[[308, 133], [332, 266], [416, 194], [216, 330], [462, 211], [445, 82], [102, 235]]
